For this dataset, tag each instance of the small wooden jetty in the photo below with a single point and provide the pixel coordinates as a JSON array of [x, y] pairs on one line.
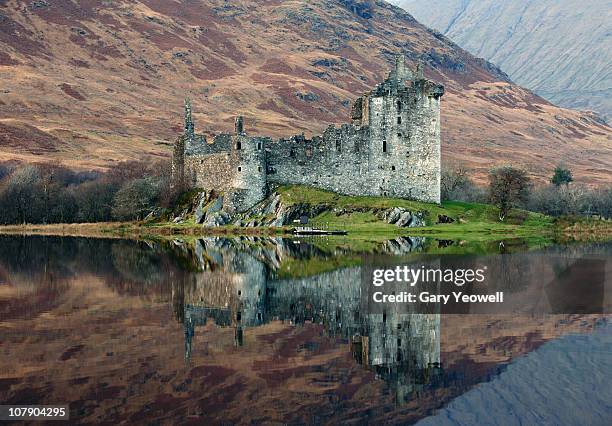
[[309, 230]]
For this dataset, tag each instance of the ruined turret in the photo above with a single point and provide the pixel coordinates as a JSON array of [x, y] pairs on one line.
[[189, 128], [239, 125], [178, 153], [419, 74], [401, 72]]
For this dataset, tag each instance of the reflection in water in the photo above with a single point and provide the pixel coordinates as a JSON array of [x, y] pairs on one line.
[[238, 289], [259, 289]]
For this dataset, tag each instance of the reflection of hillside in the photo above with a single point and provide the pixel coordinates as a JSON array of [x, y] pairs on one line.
[[106, 344]]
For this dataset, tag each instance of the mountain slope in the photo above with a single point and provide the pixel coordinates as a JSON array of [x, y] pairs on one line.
[[89, 83], [558, 48]]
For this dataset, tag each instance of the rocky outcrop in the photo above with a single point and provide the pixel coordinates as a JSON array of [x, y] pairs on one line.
[[214, 214], [200, 212], [403, 218], [442, 218], [403, 245], [273, 212], [209, 210]]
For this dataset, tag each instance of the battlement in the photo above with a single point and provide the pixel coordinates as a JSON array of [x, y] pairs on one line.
[[390, 148]]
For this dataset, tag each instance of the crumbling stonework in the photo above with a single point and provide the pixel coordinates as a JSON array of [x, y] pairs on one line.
[[391, 149]]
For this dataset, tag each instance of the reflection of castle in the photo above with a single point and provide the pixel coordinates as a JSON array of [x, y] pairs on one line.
[[236, 289]]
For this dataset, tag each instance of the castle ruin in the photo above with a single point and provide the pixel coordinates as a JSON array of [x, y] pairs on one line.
[[390, 149]]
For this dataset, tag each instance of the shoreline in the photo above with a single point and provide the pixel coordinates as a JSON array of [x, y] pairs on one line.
[[131, 230], [592, 230]]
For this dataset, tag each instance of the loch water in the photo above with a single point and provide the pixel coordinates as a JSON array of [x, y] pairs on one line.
[[274, 331]]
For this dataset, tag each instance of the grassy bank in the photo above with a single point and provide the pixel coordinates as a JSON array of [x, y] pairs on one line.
[[358, 215], [135, 230]]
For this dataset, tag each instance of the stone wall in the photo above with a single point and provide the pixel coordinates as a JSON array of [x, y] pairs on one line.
[[338, 161], [233, 164]]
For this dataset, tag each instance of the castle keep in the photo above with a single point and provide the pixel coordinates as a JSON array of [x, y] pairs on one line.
[[391, 148]]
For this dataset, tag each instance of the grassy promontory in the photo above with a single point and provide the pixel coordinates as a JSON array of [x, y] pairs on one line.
[[359, 216]]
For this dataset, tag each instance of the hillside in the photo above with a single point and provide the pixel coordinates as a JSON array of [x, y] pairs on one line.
[[558, 48], [91, 83]]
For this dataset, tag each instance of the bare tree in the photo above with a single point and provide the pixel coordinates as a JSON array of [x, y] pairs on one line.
[[456, 185], [21, 196], [453, 178], [136, 198], [508, 188]]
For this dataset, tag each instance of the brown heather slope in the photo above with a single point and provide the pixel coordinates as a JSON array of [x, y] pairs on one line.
[[89, 83]]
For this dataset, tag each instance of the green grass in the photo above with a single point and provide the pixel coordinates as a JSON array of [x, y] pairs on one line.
[[294, 268], [472, 220]]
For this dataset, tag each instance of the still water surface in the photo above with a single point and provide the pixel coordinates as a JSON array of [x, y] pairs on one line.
[[225, 331]]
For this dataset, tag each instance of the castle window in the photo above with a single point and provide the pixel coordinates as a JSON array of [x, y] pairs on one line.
[[238, 316], [399, 343], [399, 120], [384, 146], [259, 146], [393, 168], [239, 169], [259, 169], [201, 161], [399, 106], [292, 153], [399, 135], [238, 145], [338, 146]]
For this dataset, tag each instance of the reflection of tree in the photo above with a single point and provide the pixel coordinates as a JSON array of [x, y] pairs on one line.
[[137, 264], [65, 257], [128, 267]]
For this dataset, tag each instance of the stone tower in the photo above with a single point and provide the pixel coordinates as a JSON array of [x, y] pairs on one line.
[[403, 115], [239, 125], [249, 183]]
